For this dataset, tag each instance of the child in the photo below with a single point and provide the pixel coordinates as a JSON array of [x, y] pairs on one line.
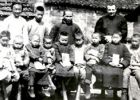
[[64, 63], [7, 58], [49, 60], [93, 56], [21, 60], [37, 69], [134, 67], [116, 58], [79, 49], [64, 56], [8, 71], [49, 56]]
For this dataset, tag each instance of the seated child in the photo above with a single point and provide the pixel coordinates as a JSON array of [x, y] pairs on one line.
[[64, 56], [49, 60], [116, 58], [79, 49], [7, 67], [21, 61], [37, 69], [134, 68], [93, 56], [49, 56]]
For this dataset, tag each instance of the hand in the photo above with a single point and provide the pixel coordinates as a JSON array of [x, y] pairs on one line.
[[108, 38], [134, 68], [112, 64], [40, 59], [120, 65]]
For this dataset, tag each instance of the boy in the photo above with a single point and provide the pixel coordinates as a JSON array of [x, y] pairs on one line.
[[7, 58], [8, 70], [37, 68], [134, 67], [37, 25], [64, 55], [49, 56], [79, 49], [93, 56], [49, 60], [116, 58], [21, 60]]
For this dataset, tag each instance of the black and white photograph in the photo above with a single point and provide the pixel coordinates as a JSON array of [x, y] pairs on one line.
[[69, 49]]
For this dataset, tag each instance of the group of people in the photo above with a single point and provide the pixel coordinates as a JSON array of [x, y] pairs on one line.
[[32, 57]]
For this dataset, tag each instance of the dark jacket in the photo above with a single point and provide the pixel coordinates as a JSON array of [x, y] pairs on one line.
[[107, 25], [120, 49], [71, 28], [63, 49], [34, 53]]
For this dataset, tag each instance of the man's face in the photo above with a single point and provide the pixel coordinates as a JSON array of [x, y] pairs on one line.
[[111, 10], [17, 9], [39, 15], [68, 16]]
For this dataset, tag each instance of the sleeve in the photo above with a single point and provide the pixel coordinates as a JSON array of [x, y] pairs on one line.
[[26, 57], [46, 31], [106, 58], [101, 51], [86, 55], [72, 58], [54, 32], [124, 29], [57, 53], [99, 27], [26, 33], [32, 56], [126, 57]]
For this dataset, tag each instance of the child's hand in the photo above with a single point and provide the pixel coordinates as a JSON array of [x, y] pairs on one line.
[[120, 65], [40, 59], [112, 64]]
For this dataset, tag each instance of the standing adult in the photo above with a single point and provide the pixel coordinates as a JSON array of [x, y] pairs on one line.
[[37, 25], [14, 23], [66, 25], [111, 23]]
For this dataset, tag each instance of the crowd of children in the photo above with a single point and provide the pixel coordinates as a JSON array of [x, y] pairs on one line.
[[34, 64]]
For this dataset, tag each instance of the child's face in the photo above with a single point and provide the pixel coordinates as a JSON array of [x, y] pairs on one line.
[[79, 41], [63, 39], [95, 38], [18, 44], [116, 38], [4, 41], [135, 42], [47, 43], [35, 41]]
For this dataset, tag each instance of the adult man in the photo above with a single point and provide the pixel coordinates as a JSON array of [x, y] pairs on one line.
[[36, 25], [15, 23], [66, 25], [111, 23]]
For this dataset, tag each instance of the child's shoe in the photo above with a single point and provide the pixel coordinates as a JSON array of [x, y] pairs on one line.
[[31, 92], [46, 91]]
